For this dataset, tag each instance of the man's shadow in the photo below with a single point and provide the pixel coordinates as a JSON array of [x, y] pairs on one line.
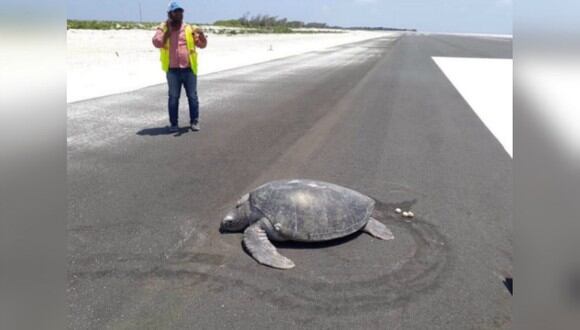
[[156, 131]]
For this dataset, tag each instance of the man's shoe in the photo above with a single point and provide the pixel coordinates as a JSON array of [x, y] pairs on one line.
[[195, 127], [173, 129]]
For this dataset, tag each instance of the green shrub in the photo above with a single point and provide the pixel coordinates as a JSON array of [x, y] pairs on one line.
[[109, 25]]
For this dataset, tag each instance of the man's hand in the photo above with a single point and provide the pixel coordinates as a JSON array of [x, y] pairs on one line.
[[200, 39], [162, 25]]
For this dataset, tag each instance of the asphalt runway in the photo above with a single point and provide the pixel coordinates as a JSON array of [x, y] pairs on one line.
[[144, 250]]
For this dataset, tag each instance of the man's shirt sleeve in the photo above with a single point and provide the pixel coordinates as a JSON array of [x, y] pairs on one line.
[[158, 39]]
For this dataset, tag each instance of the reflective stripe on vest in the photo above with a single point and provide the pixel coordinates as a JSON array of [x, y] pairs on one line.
[[190, 47]]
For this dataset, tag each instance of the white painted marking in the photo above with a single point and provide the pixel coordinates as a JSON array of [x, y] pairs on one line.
[[486, 85]]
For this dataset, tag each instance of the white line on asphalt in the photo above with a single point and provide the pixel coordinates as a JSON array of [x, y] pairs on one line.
[[486, 85]]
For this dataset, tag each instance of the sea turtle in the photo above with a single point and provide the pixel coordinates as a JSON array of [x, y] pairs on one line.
[[303, 211]]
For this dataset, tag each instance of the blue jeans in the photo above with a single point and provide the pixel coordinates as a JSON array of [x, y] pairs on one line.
[[175, 78]]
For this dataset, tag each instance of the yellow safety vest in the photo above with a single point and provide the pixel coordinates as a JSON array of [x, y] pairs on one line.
[[190, 48]]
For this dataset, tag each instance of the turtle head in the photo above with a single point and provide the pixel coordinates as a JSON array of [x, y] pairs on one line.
[[238, 218], [234, 222]]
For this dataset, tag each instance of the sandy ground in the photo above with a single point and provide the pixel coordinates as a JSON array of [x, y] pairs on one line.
[[104, 62]]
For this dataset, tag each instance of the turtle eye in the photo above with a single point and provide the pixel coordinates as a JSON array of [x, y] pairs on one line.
[[229, 223]]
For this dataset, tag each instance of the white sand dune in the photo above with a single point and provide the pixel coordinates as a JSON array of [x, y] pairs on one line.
[[105, 62]]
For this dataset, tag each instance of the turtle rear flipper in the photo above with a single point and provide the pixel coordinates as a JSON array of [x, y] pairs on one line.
[[257, 242], [378, 230]]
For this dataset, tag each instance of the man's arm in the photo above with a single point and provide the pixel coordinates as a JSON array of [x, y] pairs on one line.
[[161, 35]]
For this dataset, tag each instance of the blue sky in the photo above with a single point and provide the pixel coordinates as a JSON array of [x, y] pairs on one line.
[[475, 16]]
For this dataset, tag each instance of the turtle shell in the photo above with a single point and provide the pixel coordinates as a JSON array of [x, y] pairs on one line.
[[305, 210]]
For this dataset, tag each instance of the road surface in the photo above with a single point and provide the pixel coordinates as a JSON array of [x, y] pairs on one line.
[[378, 116]]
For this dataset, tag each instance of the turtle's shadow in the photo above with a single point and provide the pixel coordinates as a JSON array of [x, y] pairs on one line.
[[317, 245], [312, 245]]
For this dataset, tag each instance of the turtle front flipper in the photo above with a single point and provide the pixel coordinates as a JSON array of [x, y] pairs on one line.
[[378, 230], [257, 242]]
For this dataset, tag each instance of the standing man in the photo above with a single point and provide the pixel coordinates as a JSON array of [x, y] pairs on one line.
[[177, 42]]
